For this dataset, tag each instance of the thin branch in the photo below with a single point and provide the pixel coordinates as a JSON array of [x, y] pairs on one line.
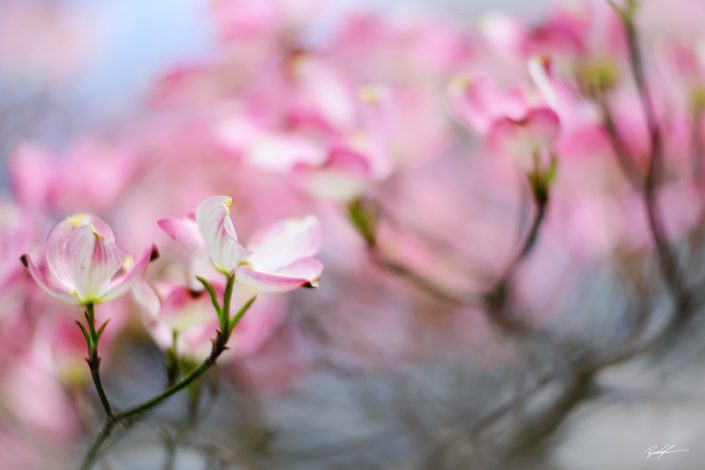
[[92, 339], [130, 415], [668, 263]]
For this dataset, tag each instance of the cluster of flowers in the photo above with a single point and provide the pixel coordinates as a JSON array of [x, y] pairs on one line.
[[84, 266], [293, 117]]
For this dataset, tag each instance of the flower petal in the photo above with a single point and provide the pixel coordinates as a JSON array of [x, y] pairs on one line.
[[280, 152], [479, 101], [184, 308], [303, 273], [47, 285], [282, 243], [57, 251], [218, 232], [521, 139], [343, 176], [185, 231], [147, 299], [262, 320], [122, 284], [93, 260]]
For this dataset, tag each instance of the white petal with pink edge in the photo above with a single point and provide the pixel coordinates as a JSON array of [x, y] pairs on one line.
[[92, 261], [218, 232], [284, 242], [57, 244], [185, 231], [121, 284], [302, 273], [524, 138], [49, 286]]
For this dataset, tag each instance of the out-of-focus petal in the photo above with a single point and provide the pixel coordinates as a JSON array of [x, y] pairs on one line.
[[343, 176], [302, 273], [184, 309], [522, 139], [123, 283], [185, 231], [31, 170], [218, 232], [262, 320], [147, 299], [281, 152], [284, 242], [47, 285], [478, 102], [15, 233]]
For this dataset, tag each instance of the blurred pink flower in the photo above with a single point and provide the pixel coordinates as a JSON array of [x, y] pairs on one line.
[[59, 347], [41, 41], [89, 176], [15, 231], [183, 318], [478, 102], [25, 386], [513, 125], [526, 140]]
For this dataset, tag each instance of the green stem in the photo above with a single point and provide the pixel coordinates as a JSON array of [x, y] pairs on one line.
[[621, 151], [497, 299], [218, 348], [227, 297], [130, 415], [97, 444], [417, 279], [93, 359], [532, 237]]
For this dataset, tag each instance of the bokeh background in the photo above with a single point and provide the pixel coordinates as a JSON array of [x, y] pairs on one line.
[[370, 370]]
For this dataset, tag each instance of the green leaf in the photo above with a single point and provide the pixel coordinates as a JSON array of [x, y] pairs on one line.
[[211, 292], [240, 313], [552, 171], [87, 337], [101, 328], [363, 215], [227, 298]]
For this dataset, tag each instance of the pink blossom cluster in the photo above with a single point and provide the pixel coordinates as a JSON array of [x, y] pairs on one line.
[[431, 134]]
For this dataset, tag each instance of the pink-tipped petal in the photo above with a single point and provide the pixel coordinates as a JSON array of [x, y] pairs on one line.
[[218, 232], [276, 152], [184, 309], [185, 231], [282, 243], [303, 273], [521, 139], [47, 285], [309, 269], [147, 299], [263, 319], [122, 284], [57, 245], [479, 101], [31, 171], [93, 261], [343, 176]]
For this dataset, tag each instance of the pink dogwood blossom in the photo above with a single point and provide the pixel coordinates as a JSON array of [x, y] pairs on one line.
[[84, 263], [513, 125], [182, 318], [278, 258]]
